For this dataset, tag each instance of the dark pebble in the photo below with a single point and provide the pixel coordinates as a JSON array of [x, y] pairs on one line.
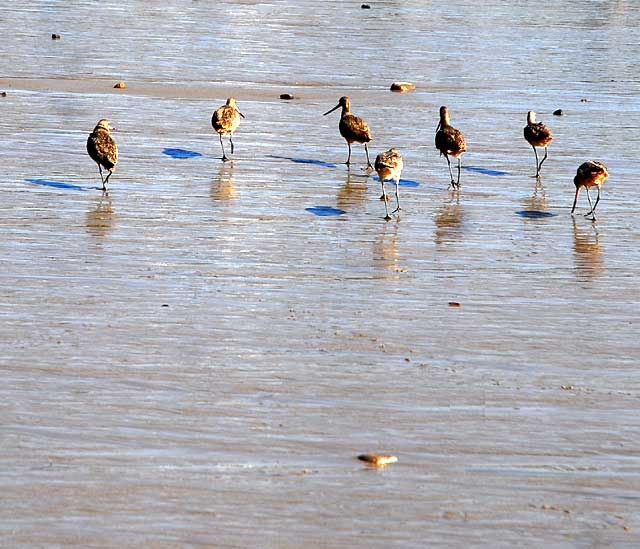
[[365, 7], [286, 96], [55, 37], [583, 100], [558, 112], [165, 304], [3, 94]]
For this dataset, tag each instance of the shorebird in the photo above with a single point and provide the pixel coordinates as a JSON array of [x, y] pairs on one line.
[[450, 142], [590, 174], [103, 149], [226, 119], [389, 166], [537, 135], [352, 128]]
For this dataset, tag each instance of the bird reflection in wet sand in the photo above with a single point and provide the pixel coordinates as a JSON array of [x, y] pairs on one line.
[[385, 248], [222, 187], [537, 202], [99, 220], [588, 251], [448, 220], [353, 192]]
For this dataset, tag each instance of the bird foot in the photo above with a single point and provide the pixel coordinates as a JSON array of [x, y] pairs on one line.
[[398, 209], [225, 158], [387, 217]]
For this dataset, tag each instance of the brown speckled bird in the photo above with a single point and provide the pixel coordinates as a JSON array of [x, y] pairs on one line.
[[590, 174], [225, 120], [537, 135], [450, 142], [389, 166], [352, 128], [103, 149]]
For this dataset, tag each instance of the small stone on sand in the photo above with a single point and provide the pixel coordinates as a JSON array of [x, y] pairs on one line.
[[365, 6], [286, 96], [55, 37], [558, 112], [3, 94], [584, 100], [454, 304], [120, 85], [402, 87]]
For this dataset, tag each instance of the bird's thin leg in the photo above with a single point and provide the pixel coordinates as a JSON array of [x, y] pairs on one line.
[[101, 178], [546, 152], [575, 200], [348, 162], [384, 197], [397, 196], [453, 183], [593, 215], [459, 165], [231, 141], [104, 184], [366, 149], [224, 156], [537, 164], [596, 204]]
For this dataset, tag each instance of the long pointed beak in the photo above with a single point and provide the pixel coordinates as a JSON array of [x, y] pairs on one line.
[[240, 113], [575, 200], [334, 108], [438, 128]]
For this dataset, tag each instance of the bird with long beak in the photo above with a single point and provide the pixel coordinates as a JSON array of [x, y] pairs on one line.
[[389, 166], [537, 135], [589, 174], [352, 128], [225, 120], [450, 142], [103, 149]]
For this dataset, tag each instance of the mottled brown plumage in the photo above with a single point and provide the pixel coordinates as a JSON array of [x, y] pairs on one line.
[[103, 149], [450, 142], [589, 174], [537, 135], [352, 128], [389, 166], [225, 120]]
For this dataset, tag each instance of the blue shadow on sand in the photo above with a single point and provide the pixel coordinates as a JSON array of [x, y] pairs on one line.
[[325, 211], [485, 171], [181, 153], [55, 184], [305, 161], [535, 214]]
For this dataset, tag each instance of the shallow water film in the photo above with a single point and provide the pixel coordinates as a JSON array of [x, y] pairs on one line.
[[198, 356]]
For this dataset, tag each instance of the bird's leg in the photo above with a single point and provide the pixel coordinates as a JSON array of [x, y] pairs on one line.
[[453, 183], [231, 141], [101, 178], [397, 196], [593, 215], [537, 164], [366, 149], [595, 205], [541, 161], [224, 156], [384, 197], [348, 162], [104, 183], [459, 166], [575, 200]]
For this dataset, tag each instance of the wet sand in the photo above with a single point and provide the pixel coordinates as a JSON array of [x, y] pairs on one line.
[[199, 357]]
